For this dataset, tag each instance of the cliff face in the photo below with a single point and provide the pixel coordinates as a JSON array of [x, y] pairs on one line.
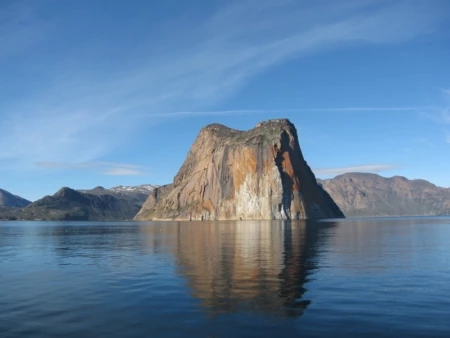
[[150, 204], [362, 194], [230, 174]]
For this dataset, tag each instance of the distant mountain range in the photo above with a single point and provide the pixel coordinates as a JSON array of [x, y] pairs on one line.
[[144, 189], [361, 194], [9, 200], [357, 194], [98, 204]]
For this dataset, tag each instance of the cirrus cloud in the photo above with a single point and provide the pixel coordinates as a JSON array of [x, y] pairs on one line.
[[107, 168], [78, 104]]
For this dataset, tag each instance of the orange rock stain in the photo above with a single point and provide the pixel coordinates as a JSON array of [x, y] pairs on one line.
[[242, 164]]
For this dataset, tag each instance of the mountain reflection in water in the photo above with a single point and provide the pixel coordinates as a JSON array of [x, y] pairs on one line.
[[257, 266], [348, 278]]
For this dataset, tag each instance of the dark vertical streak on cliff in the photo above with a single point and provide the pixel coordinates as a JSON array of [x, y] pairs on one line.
[[226, 179]]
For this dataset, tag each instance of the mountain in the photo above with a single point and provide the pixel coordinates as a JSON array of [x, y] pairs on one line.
[[98, 204], [144, 189], [9, 200], [230, 174], [137, 194], [361, 194]]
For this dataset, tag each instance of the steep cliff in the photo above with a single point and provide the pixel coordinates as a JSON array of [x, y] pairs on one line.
[[156, 195], [230, 174]]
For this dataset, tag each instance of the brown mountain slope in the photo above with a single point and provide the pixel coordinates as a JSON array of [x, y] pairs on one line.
[[231, 174], [361, 194]]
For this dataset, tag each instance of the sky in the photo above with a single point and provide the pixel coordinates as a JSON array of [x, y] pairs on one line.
[[115, 92]]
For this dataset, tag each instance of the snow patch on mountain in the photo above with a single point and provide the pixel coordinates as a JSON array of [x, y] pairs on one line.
[[144, 188]]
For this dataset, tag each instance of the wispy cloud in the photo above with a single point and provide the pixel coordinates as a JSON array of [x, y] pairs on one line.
[[447, 137], [123, 172], [182, 75], [445, 116], [283, 110], [107, 168], [366, 168], [440, 116]]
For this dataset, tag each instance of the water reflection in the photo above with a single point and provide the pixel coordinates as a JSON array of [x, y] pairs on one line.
[[252, 266], [379, 277]]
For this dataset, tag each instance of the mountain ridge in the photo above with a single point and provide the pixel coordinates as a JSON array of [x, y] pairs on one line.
[[368, 194], [362, 199], [8, 199], [98, 204]]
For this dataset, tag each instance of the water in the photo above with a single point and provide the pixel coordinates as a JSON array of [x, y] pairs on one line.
[[368, 277]]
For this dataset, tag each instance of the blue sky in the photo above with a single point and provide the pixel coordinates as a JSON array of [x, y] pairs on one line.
[[115, 92]]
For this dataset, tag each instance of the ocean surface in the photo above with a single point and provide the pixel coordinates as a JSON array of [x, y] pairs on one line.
[[350, 278]]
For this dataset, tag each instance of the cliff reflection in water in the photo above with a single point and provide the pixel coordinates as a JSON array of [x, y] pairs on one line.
[[257, 266]]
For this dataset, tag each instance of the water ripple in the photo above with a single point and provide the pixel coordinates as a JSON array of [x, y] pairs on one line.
[[352, 278]]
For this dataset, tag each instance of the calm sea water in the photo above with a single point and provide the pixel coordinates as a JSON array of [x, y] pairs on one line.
[[351, 278]]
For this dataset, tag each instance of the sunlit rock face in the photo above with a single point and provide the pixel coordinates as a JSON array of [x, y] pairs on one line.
[[232, 175]]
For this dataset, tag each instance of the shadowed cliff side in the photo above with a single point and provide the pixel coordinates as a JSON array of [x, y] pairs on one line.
[[231, 175]]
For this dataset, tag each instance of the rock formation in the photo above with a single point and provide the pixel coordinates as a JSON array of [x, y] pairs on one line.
[[231, 175]]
